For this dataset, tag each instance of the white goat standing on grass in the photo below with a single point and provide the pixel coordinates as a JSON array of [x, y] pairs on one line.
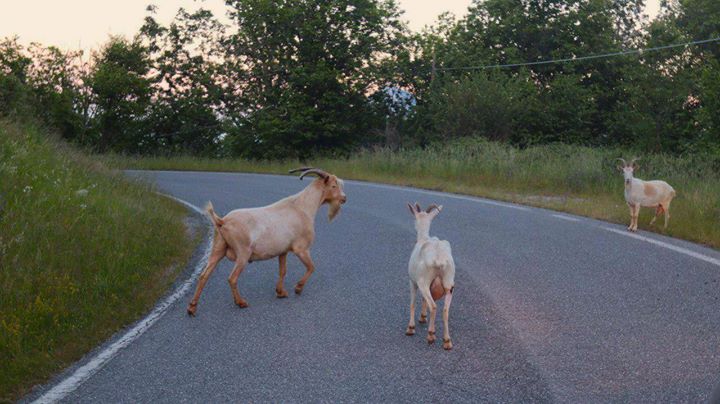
[[288, 225], [654, 194], [432, 271]]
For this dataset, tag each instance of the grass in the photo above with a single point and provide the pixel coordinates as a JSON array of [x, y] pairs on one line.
[[574, 179], [83, 252]]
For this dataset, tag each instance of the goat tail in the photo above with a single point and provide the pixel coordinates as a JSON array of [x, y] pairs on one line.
[[217, 220]]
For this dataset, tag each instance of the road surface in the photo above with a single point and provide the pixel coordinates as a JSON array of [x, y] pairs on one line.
[[548, 307]]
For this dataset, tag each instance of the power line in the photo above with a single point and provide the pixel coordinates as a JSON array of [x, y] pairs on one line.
[[575, 59]]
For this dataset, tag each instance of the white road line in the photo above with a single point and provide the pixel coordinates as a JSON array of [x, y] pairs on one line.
[[72, 382], [563, 217], [441, 194], [669, 246]]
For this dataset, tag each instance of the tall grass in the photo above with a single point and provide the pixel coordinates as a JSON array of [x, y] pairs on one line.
[[83, 252], [575, 179]]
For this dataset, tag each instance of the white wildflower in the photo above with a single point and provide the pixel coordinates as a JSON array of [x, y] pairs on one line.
[[81, 192], [27, 189]]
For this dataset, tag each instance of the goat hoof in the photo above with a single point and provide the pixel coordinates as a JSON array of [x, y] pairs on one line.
[[298, 290], [242, 304], [447, 344], [422, 320], [410, 331], [281, 293], [431, 339], [191, 309]]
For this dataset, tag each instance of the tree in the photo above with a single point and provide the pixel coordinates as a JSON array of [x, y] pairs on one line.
[[308, 66], [574, 96], [63, 100], [187, 83], [122, 90], [45, 84], [14, 66], [493, 105], [709, 109]]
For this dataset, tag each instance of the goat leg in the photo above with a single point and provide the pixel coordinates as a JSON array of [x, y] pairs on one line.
[[423, 313], [219, 248], [279, 288], [411, 325], [447, 343], [232, 280], [305, 258]]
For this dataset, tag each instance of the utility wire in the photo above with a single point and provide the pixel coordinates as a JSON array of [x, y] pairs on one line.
[[575, 59]]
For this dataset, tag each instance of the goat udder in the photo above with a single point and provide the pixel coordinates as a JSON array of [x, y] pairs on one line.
[[436, 289]]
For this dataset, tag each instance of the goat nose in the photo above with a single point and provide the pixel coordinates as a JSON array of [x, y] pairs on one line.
[[343, 199]]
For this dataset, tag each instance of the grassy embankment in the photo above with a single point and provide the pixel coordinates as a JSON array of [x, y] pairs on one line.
[[572, 179], [82, 254]]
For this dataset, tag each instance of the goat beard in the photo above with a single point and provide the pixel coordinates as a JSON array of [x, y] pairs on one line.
[[333, 210]]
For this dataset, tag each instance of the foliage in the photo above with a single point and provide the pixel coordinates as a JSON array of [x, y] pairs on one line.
[[122, 89], [187, 83], [83, 252], [309, 65], [494, 106], [14, 92], [306, 78], [651, 102]]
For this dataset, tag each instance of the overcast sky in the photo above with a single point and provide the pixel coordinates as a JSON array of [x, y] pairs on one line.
[[86, 24]]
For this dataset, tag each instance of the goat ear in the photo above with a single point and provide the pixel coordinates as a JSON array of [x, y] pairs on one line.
[[417, 207], [619, 168], [412, 210], [635, 166]]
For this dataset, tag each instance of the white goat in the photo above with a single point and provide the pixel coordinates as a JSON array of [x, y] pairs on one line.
[[247, 235], [432, 271], [653, 194]]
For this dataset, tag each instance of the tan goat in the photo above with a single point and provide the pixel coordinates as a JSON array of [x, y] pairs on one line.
[[654, 194], [255, 234]]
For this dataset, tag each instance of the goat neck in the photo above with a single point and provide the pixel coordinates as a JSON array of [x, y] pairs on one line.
[[423, 230], [311, 198]]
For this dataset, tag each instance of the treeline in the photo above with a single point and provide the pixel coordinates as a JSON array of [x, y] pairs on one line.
[[310, 77]]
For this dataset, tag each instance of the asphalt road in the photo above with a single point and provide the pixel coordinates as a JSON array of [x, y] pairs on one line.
[[547, 308]]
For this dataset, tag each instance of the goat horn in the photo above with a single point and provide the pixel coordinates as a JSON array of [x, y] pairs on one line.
[[431, 207], [320, 173], [417, 207], [623, 161], [300, 169]]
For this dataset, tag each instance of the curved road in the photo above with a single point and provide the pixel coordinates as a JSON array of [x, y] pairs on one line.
[[548, 308]]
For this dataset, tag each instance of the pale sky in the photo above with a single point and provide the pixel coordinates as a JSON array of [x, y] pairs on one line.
[[86, 24]]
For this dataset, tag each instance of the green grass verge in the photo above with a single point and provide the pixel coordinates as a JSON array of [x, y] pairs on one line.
[[574, 179], [83, 252]]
